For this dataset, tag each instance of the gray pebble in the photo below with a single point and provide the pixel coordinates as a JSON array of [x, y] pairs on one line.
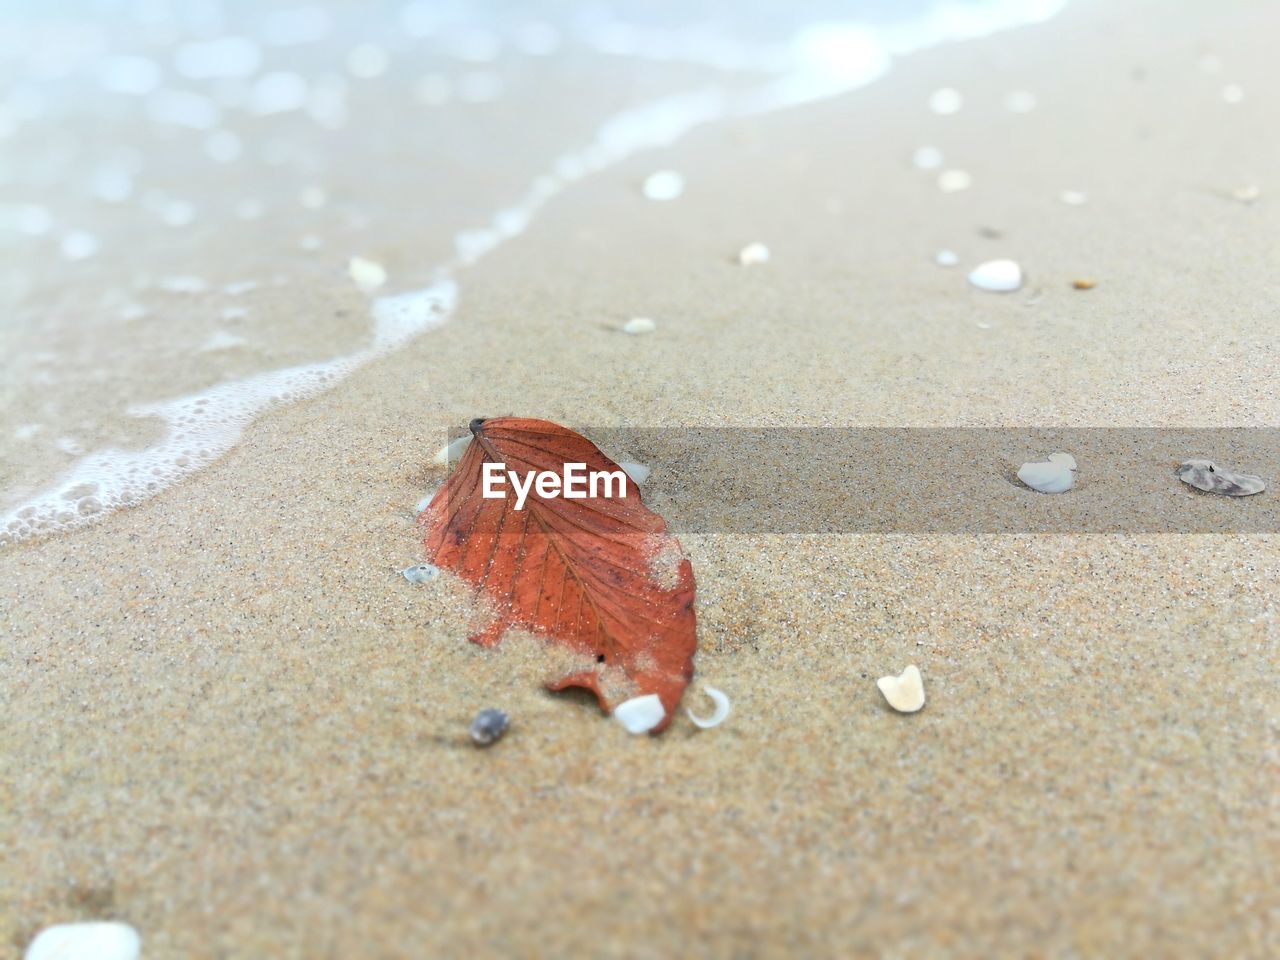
[[1208, 476], [488, 726]]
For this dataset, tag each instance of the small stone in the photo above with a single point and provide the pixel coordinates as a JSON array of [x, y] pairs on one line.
[[904, 692], [420, 573], [85, 941], [997, 276], [1207, 476], [1084, 283], [663, 185], [488, 727], [639, 325], [947, 258], [640, 714], [753, 253]]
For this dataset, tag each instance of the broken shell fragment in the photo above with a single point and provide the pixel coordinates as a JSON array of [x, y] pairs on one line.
[[663, 185], [640, 714], [718, 716], [753, 253], [420, 573], [367, 274], [451, 452], [488, 726], [1084, 283], [998, 276], [1055, 476], [99, 940], [638, 472], [904, 692], [639, 325], [1205, 475]]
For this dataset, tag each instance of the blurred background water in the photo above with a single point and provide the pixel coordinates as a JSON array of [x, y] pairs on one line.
[[183, 184]]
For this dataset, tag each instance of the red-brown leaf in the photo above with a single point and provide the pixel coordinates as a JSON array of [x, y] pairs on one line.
[[586, 573]]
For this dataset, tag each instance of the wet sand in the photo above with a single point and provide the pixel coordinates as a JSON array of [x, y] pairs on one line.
[[230, 722]]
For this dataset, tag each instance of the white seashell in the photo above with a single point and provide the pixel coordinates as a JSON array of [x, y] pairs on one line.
[[946, 258], [998, 276], [1073, 198], [639, 325], [946, 101], [1066, 459], [927, 158], [753, 253], [85, 941], [425, 501], [420, 573], [638, 472], [904, 692], [1205, 475], [663, 185], [451, 452], [953, 181], [1052, 477], [640, 714], [719, 716], [367, 274]]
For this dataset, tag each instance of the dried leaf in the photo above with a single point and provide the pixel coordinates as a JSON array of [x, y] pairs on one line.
[[600, 576]]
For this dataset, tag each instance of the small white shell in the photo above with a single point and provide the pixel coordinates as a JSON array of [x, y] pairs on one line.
[[663, 185], [367, 274], [425, 501], [1047, 477], [420, 573], [1205, 475], [997, 276], [451, 452], [753, 253], [719, 716], [904, 692], [638, 325], [1066, 459], [638, 472], [953, 181], [73, 941], [946, 258], [640, 714], [927, 158]]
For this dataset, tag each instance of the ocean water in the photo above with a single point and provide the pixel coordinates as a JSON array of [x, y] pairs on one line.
[[183, 184]]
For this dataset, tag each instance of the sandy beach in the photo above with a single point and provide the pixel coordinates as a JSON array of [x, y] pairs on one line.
[[230, 722]]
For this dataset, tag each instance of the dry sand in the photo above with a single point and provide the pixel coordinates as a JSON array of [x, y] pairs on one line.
[[228, 721]]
